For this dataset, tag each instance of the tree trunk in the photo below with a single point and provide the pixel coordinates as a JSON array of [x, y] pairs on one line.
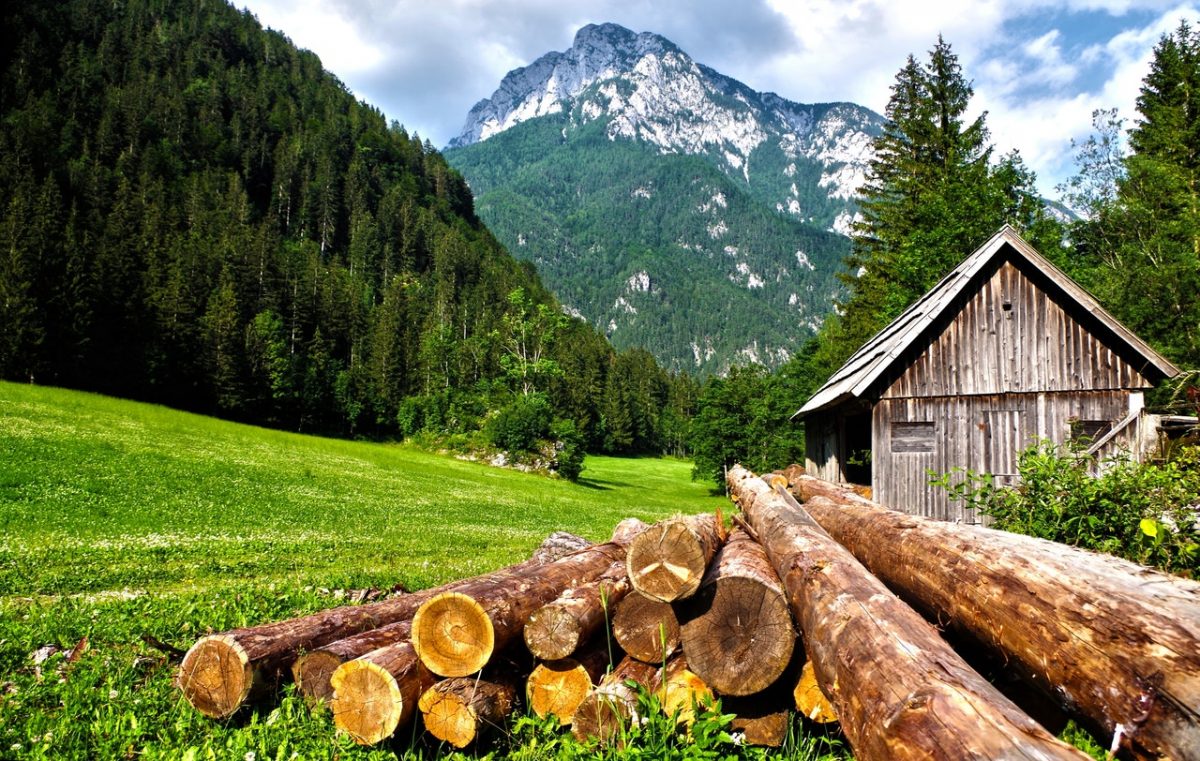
[[811, 703], [376, 693], [899, 690], [220, 671], [737, 630], [606, 711], [313, 671], [645, 628], [458, 710], [667, 561], [559, 687], [558, 628], [1117, 644], [456, 633]]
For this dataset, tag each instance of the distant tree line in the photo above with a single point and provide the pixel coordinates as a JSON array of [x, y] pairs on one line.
[[194, 212]]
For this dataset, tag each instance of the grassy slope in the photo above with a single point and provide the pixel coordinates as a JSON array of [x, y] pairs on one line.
[[122, 520]]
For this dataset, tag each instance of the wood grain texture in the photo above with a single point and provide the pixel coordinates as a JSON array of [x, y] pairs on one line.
[[645, 628], [667, 561], [457, 711], [606, 712], [558, 628], [899, 690], [1117, 644], [376, 693]]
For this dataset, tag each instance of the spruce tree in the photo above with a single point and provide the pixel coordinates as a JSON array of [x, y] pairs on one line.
[[933, 194]]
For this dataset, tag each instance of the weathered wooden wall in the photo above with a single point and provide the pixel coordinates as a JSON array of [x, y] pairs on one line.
[[984, 433], [1011, 337], [823, 447]]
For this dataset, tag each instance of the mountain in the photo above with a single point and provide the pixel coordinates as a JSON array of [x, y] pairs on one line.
[[195, 212], [671, 206]]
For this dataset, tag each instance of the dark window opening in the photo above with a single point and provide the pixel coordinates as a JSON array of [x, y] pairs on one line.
[[1087, 431], [858, 449]]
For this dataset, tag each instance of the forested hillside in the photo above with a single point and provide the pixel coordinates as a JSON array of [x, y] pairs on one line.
[[657, 250], [195, 212]]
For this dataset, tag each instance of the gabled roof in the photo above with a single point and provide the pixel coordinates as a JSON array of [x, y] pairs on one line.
[[876, 357]]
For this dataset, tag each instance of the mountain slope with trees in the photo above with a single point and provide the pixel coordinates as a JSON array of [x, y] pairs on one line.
[[195, 212]]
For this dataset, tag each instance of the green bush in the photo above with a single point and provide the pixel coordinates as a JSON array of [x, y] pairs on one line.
[[1145, 512], [568, 463], [520, 425]]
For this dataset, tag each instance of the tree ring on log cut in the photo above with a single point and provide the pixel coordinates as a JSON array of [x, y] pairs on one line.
[[367, 703], [216, 676], [552, 633], [558, 687], [453, 635], [448, 717], [313, 672], [666, 561]]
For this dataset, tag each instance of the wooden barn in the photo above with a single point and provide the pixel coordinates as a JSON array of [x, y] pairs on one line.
[[1005, 350]]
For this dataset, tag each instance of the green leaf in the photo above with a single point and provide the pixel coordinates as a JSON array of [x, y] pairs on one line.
[[1149, 527]]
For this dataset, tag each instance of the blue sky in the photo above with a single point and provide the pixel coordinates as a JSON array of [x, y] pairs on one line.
[[1039, 67]]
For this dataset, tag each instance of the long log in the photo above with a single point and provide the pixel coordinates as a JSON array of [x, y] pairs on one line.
[[556, 629], [645, 628], [737, 629], [605, 713], [377, 692], [1117, 644], [221, 671], [900, 691], [455, 633], [667, 561], [559, 687], [459, 710]]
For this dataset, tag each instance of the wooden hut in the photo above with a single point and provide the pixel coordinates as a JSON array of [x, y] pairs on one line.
[[1005, 350]]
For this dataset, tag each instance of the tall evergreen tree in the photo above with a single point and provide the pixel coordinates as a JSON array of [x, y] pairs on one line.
[[1140, 248], [933, 194]]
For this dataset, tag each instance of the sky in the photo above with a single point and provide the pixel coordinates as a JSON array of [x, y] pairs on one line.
[[1039, 67]]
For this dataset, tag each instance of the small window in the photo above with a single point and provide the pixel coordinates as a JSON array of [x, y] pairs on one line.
[[1087, 431], [912, 437]]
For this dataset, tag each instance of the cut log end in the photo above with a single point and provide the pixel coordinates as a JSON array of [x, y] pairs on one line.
[[367, 703], [811, 702], [313, 672], [666, 562], [552, 633], [602, 717], [558, 688], [453, 635], [683, 692], [646, 629], [216, 676], [448, 717]]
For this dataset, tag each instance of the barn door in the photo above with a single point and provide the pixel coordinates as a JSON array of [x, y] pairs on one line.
[[1002, 444]]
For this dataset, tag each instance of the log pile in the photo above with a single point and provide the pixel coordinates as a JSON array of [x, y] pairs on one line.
[[814, 613]]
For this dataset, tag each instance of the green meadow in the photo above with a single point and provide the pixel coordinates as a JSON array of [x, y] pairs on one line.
[[128, 525]]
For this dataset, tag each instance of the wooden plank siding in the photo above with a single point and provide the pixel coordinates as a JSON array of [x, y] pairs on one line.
[[1011, 337], [984, 433]]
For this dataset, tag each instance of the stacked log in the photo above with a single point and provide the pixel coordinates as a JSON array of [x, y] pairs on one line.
[[459, 710], [604, 715], [737, 629], [221, 671], [558, 628], [667, 561], [898, 688], [1117, 644], [559, 687], [646, 629]]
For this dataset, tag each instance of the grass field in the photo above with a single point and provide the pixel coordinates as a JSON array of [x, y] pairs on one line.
[[122, 520]]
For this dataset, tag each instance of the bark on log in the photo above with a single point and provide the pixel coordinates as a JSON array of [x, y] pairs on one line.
[[645, 628], [811, 703], [667, 561], [899, 690], [221, 671], [559, 687], [455, 633], [378, 692], [459, 710], [1117, 644], [606, 712], [737, 630], [555, 630]]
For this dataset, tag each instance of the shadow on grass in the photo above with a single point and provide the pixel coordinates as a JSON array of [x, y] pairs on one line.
[[598, 485]]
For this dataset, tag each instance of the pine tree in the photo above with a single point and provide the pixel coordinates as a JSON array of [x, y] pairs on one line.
[[933, 195]]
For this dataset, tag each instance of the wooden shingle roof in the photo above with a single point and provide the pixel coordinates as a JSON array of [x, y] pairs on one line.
[[856, 378]]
